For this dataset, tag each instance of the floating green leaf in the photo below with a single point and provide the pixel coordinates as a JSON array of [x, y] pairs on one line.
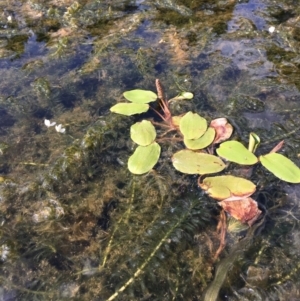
[[192, 126], [143, 133], [201, 142], [187, 161], [144, 158], [129, 109], [227, 187], [186, 95], [282, 167], [235, 151], [183, 95], [140, 96]]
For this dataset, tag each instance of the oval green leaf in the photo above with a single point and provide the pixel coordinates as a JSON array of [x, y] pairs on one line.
[[282, 167], [189, 162], [192, 126], [143, 133], [129, 109], [227, 187], [201, 142], [144, 158], [184, 95], [140, 96], [235, 151]]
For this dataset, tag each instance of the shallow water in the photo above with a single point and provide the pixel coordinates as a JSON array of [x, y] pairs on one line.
[[74, 223]]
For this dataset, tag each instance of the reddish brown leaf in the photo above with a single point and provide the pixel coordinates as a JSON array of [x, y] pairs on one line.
[[223, 129], [244, 210], [277, 147]]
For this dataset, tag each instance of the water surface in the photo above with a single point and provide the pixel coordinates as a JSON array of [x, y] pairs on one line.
[[74, 223]]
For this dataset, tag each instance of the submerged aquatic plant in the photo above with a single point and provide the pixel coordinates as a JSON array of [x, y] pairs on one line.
[[205, 152]]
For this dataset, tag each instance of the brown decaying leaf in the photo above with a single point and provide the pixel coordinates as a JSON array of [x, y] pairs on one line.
[[223, 129], [244, 210], [277, 147]]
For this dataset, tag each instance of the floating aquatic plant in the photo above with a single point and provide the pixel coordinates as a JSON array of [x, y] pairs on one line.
[[202, 155]]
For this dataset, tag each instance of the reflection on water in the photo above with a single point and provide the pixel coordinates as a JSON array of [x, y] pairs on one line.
[[74, 224], [251, 11]]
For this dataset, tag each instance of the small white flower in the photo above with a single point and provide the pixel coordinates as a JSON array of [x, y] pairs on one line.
[[271, 29], [4, 251], [9, 19], [60, 129], [48, 123]]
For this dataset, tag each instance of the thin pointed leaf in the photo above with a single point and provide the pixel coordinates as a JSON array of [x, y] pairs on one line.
[[143, 133], [192, 126], [201, 142], [227, 188], [140, 96], [189, 162], [129, 109], [278, 147], [235, 151], [144, 158], [282, 167]]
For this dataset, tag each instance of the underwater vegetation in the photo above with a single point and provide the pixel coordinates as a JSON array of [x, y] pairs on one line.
[[101, 206], [131, 237]]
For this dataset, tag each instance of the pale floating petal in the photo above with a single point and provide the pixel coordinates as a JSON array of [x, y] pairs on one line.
[[48, 123], [60, 129]]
